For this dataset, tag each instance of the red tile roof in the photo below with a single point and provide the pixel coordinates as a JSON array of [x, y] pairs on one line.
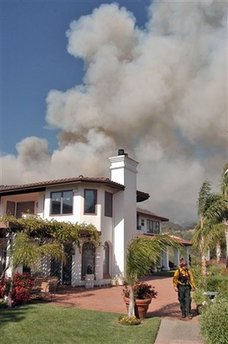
[[40, 186], [151, 215], [179, 240], [182, 241], [75, 180]]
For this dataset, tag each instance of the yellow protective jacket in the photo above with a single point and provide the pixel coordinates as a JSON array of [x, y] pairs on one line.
[[186, 273]]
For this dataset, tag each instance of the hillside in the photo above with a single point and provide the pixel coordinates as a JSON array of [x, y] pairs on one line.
[[184, 232]]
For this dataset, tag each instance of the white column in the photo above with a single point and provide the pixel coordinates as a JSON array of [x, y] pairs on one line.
[[187, 255], [176, 256], [76, 268], [123, 171], [9, 271], [208, 254], [165, 259], [99, 264], [161, 260]]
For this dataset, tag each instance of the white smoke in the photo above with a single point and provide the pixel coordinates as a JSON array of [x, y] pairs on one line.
[[160, 93]]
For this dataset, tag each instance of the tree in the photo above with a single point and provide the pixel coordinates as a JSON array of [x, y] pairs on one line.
[[219, 213], [141, 255], [205, 200], [224, 188], [213, 211], [32, 238]]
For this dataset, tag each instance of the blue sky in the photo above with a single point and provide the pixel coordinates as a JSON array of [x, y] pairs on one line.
[[34, 60]]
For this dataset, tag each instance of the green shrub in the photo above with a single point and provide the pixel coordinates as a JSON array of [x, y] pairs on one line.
[[217, 283], [213, 322], [197, 273], [199, 297], [126, 320], [223, 287]]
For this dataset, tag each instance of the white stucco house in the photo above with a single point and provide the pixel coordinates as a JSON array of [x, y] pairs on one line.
[[110, 204]]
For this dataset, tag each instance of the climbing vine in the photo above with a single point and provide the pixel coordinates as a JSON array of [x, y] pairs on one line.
[[32, 237]]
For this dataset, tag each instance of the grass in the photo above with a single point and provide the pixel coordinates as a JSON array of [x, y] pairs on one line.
[[49, 324]]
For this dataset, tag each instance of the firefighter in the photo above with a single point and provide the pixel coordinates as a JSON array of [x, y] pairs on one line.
[[183, 283]]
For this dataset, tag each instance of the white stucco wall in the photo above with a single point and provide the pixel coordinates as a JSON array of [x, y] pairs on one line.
[[78, 205], [117, 231], [123, 171]]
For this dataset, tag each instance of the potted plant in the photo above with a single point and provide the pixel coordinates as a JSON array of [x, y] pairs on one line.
[[143, 295], [141, 255]]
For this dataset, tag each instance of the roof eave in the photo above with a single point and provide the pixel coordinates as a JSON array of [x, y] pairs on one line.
[[141, 196], [29, 188]]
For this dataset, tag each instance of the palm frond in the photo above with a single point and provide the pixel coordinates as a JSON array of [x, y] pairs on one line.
[[197, 235], [204, 194], [143, 252], [224, 181], [25, 251], [218, 210], [52, 249], [28, 252], [215, 233]]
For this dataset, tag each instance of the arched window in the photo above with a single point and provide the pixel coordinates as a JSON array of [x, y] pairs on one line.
[[106, 261], [88, 259]]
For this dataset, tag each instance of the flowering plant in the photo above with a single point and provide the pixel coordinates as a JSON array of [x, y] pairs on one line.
[[141, 290], [21, 287]]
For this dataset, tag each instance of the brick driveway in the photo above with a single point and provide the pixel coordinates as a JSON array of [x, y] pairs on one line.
[[109, 299]]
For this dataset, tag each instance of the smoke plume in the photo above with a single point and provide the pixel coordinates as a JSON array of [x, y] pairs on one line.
[[159, 92]]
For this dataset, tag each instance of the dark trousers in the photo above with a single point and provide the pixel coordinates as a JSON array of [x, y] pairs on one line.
[[184, 298]]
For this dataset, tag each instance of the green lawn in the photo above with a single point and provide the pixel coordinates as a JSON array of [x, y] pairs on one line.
[[45, 323]]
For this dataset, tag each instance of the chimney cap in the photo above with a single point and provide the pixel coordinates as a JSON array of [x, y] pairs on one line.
[[121, 152]]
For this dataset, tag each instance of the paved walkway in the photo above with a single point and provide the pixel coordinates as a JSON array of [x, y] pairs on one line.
[[173, 330]]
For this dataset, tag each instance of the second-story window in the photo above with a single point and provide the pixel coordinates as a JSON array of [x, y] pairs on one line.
[[149, 226], [62, 202], [90, 197], [108, 204], [156, 227], [153, 227]]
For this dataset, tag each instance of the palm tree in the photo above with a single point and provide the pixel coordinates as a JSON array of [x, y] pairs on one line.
[[36, 238], [225, 212], [213, 211], [28, 251], [215, 237], [205, 200], [141, 255], [218, 214]]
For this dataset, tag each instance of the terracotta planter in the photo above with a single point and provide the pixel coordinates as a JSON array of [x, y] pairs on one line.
[[141, 306]]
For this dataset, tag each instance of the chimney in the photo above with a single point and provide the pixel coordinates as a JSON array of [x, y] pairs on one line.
[[123, 171], [121, 152]]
